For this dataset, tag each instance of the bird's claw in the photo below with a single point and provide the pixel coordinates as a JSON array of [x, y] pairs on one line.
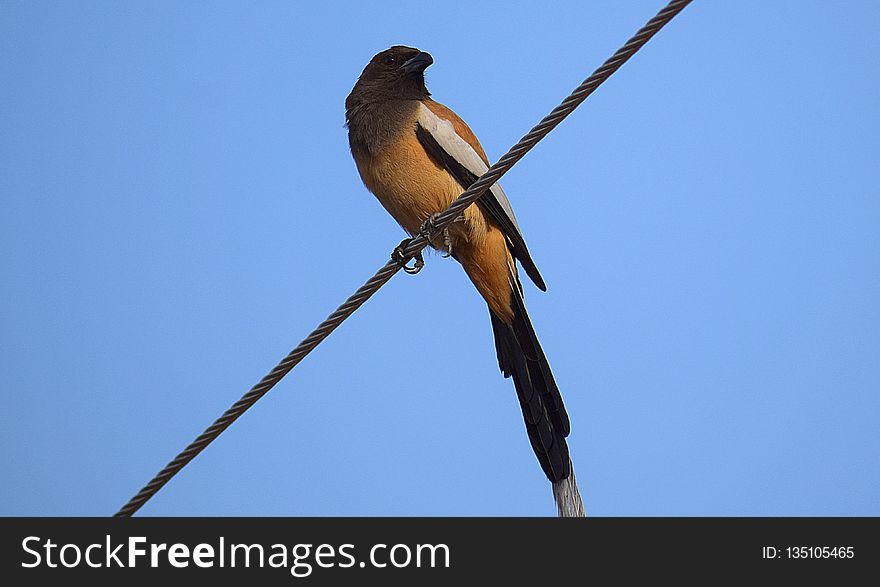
[[398, 256], [428, 229], [447, 242]]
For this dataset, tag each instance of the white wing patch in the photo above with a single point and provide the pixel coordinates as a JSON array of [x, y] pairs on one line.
[[445, 135]]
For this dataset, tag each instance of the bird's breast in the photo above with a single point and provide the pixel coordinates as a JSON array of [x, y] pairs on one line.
[[412, 186]]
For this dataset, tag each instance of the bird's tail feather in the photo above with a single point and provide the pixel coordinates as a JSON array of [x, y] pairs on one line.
[[521, 357], [568, 497]]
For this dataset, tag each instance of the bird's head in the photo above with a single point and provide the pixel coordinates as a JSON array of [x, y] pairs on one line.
[[397, 73]]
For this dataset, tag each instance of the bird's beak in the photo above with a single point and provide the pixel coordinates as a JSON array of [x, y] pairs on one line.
[[418, 63]]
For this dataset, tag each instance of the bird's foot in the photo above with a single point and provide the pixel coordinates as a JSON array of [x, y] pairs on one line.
[[428, 229], [398, 256]]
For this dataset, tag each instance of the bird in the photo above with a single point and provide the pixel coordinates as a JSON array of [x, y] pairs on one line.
[[417, 156]]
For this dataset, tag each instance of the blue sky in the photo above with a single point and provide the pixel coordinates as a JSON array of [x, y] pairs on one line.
[[180, 208]]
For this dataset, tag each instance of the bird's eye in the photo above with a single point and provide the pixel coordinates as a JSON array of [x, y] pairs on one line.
[[389, 60]]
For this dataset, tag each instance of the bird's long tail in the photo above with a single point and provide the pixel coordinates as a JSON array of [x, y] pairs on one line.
[[521, 357]]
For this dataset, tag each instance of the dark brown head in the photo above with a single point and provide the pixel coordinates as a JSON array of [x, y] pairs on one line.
[[397, 73]]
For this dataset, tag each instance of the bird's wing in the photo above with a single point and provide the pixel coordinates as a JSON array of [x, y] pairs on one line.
[[448, 140]]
